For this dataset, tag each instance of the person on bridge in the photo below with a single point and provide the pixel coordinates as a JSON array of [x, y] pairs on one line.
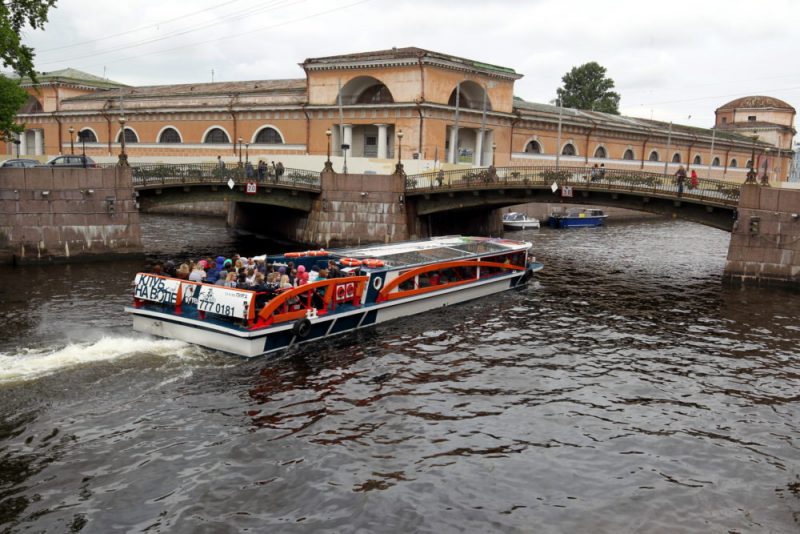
[[693, 180], [680, 178]]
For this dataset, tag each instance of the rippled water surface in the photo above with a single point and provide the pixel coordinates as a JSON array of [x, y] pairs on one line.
[[626, 390]]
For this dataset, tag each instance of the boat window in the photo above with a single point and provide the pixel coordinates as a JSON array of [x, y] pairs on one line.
[[406, 285]]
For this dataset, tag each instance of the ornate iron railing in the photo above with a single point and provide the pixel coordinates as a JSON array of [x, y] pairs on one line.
[[162, 174], [581, 178]]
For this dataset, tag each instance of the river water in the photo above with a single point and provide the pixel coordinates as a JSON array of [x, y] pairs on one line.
[[626, 390]]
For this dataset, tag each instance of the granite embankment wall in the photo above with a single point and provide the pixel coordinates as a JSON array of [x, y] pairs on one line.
[[56, 215], [765, 242]]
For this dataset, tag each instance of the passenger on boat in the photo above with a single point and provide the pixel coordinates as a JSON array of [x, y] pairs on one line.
[[230, 280], [182, 272], [169, 268], [250, 277], [199, 273]]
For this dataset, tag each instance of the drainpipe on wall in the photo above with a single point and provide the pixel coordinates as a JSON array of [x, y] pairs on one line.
[[421, 125], [727, 154], [644, 148], [514, 122], [308, 130], [689, 153], [234, 96], [420, 100], [58, 121], [108, 120], [588, 136]]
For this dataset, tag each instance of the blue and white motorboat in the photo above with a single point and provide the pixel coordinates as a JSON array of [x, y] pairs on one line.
[[519, 221], [379, 283], [577, 218]]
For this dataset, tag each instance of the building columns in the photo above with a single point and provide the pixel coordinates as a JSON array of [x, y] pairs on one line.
[[452, 153], [23, 143], [38, 142], [477, 159], [382, 145], [347, 138]]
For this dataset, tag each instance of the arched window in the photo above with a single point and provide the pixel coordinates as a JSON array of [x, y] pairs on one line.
[[87, 136], [169, 135], [533, 147], [269, 136], [715, 162], [653, 156], [130, 136], [377, 94], [568, 150], [749, 163], [600, 153], [628, 154], [676, 157], [734, 163], [697, 160], [470, 95], [216, 135]]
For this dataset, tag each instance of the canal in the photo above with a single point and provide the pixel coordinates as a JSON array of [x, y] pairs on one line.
[[626, 390]]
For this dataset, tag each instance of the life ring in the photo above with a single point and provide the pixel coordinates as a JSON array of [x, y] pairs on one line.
[[294, 254], [373, 263], [301, 328], [350, 262], [320, 252]]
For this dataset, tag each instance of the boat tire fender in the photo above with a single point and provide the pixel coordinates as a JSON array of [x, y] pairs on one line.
[[301, 328]]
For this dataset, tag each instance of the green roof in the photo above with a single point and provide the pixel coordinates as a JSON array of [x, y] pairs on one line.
[[71, 76]]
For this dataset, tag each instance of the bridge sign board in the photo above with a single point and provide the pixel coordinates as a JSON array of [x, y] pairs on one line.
[[251, 188]]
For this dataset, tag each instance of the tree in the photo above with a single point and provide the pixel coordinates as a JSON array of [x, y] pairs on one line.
[[586, 87], [14, 16]]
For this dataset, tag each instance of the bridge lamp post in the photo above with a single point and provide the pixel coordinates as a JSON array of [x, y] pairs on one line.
[[71, 141], [494, 148], [123, 157], [246, 155], [399, 169], [240, 151], [328, 164], [751, 174], [765, 176]]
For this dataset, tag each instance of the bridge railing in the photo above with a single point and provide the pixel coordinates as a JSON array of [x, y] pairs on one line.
[[581, 178], [167, 174]]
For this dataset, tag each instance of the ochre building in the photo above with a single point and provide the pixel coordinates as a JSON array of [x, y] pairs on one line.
[[432, 109]]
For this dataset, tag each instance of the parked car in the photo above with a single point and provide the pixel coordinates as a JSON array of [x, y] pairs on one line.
[[71, 161], [20, 163]]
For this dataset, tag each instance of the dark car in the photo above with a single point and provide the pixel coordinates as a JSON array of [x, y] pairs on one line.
[[71, 161], [20, 163]]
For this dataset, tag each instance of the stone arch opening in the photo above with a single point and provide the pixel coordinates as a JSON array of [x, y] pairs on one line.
[[676, 157], [653, 156], [533, 147], [600, 153], [130, 136], [169, 135], [216, 135], [628, 155], [366, 90], [87, 135], [268, 135], [569, 150], [470, 96]]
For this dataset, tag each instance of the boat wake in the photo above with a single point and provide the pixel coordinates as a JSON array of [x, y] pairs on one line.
[[29, 363]]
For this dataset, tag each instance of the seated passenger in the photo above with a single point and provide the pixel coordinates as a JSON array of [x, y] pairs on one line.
[[199, 273], [182, 272], [230, 281]]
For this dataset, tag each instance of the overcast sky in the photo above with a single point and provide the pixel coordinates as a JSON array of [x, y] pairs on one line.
[[671, 60]]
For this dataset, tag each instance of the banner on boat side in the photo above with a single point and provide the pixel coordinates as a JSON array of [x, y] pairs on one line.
[[345, 291], [251, 188], [566, 191], [225, 301], [155, 288]]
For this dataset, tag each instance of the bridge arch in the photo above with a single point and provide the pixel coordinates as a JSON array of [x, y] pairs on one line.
[[470, 96], [365, 90]]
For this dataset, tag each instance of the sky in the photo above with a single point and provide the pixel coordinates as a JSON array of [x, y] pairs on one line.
[[672, 61]]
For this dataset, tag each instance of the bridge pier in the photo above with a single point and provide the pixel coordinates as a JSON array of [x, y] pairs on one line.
[[765, 241]]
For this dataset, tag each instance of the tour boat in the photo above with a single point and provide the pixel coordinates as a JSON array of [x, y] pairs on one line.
[[519, 221], [379, 283], [577, 218]]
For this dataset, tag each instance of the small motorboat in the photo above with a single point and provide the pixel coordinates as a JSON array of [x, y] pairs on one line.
[[519, 221], [577, 218]]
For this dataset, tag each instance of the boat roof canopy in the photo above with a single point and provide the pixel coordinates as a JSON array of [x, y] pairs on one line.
[[433, 250]]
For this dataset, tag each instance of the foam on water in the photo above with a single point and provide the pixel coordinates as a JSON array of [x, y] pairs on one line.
[[28, 364]]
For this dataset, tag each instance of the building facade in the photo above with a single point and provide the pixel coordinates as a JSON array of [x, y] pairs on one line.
[[425, 107]]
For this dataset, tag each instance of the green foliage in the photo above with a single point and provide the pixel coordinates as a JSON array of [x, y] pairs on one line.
[[14, 16], [12, 96], [586, 87]]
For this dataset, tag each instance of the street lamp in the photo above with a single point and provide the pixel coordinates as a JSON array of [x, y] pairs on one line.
[[399, 146], [123, 157], [71, 140], [494, 147], [246, 155], [328, 164], [240, 152], [82, 137]]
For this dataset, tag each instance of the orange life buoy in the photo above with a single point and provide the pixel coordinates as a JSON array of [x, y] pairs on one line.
[[350, 262], [294, 254], [373, 262], [320, 252]]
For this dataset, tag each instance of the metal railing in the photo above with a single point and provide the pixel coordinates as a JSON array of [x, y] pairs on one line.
[[581, 178], [167, 174]]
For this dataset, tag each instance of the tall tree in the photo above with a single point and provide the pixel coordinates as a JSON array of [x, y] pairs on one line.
[[14, 16], [587, 87]]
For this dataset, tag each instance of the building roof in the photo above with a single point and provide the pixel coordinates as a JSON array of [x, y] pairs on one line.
[[70, 76], [622, 121], [407, 53], [200, 89], [756, 102]]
